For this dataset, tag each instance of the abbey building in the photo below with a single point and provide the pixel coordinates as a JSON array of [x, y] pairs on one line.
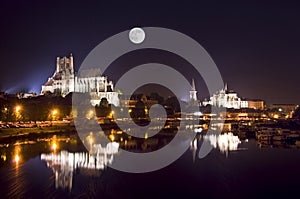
[[226, 98]]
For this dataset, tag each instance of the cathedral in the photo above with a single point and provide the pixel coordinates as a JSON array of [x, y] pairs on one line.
[[226, 98], [64, 81]]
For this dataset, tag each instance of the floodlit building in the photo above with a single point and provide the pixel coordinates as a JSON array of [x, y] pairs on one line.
[[193, 92], [64, 81], [226, 98], [256, 104]]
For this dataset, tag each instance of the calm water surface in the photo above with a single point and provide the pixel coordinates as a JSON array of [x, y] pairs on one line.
[[35, 169]]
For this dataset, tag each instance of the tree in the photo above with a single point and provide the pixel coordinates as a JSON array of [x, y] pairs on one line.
[[104, 109], [296, 114], [139, 110], [157, 97], [173, 103]]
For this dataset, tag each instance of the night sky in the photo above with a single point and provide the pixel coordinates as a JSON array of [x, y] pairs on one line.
[[255, 45]]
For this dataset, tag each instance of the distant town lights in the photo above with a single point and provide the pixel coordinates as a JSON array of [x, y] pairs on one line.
[[112, 137], [198, 113], [90, 114]]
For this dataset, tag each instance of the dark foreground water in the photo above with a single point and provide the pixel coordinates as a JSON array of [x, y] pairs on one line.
[[28, 170]]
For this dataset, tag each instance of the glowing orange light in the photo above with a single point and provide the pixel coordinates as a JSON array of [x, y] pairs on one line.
[[54, 112], [112, 137], [18, 108], [90, 114], [54, 146], [3, 157]]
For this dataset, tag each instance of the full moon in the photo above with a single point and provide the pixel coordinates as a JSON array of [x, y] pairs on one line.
[[136, 35]]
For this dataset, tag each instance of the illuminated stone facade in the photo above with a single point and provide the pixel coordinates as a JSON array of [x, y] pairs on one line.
[[193, 92], [256, 104], [91, 81], [226, 98]]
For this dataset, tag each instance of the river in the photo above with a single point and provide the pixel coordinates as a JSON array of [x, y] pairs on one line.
[[38, 169]]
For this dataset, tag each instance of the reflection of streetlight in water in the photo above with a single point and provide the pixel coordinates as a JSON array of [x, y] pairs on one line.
[[90, 139], [17, 157], [54, 144]]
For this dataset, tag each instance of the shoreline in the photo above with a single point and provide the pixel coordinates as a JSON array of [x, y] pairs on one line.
[[15, 133]]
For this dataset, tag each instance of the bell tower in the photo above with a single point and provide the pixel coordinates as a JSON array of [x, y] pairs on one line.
[[193, 92]]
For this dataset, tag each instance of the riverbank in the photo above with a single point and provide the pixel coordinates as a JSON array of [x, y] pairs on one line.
[[10, 134]]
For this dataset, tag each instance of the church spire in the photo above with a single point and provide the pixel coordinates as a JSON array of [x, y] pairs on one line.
[[193, 85], [226, 87], [193, 92]]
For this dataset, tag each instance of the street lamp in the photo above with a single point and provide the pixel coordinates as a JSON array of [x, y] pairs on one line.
[[17, 111], [5, 114], [90, 114], [111, 114], [17, 108], [54, 114]]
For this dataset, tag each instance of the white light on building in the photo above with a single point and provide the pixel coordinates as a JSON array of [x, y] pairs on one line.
[[226, 98], [64, 81]]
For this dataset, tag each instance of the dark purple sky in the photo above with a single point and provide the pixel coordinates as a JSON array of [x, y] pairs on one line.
[[254, 44]]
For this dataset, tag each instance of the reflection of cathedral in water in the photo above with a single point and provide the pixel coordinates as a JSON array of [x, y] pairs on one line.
[[225, 142], [65, 163]]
